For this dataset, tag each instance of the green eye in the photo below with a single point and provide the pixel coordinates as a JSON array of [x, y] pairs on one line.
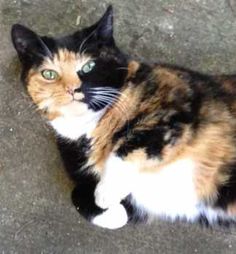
[[49, 74], [88, 67]]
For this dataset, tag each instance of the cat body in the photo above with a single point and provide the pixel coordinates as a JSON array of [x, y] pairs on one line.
[[139, 140]]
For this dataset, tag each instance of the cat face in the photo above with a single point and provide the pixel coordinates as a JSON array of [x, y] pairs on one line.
[[70, 75]]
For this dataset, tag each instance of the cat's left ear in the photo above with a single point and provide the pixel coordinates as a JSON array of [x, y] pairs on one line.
[[104, 28]]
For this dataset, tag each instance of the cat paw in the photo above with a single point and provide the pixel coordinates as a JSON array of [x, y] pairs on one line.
[[113, 218], [107, 196]]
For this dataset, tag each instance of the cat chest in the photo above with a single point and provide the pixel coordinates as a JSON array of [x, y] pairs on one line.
[[74, 127]]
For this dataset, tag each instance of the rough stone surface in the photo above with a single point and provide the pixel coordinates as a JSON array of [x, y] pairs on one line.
[[36, 215]]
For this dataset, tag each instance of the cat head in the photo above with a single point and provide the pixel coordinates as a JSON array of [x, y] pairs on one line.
[[72, 74]]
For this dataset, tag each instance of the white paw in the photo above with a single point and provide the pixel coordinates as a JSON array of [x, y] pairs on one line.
[[113, 218], [107, 195]]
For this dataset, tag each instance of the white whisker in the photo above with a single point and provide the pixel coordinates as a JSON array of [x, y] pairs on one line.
[[110, 90], [121, 108], [93, 104], [101, 104], [103, 92], [104, 88], [105, 99], [122, 68], [110, 97]]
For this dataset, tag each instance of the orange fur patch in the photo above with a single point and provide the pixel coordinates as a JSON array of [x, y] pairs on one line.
[[132, 68], [228, 83], [231, 209], [139, 157], [123, 110], [51, 95]]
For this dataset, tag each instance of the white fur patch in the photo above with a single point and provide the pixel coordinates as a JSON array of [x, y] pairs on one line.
[[115, 182], [73, 127], [170, 192], [113, 218]]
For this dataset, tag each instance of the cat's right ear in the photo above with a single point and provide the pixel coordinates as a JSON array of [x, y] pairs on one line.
[[28, 44]]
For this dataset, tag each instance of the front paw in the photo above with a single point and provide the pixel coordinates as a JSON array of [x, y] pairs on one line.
[[107, 195]]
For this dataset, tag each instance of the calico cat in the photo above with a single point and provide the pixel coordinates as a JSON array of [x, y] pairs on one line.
[[139, 140]]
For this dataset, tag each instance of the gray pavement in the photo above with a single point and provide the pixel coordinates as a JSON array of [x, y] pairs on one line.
[[36, 215]]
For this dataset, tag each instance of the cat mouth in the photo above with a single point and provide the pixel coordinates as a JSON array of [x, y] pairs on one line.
[[77, 97], [76, 100]]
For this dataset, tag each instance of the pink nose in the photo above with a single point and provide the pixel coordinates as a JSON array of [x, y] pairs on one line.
[[70, 91], [73, 91]]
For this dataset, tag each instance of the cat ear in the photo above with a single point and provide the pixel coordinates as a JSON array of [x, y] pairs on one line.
[[27, 43], [105, 25]]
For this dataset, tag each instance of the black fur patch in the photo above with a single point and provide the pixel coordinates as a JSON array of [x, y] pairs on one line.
[[135, 214], [74, 155], [142, 74], [227, 192], [83, 197]]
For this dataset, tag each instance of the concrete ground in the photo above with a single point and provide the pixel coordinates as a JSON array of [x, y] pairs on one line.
[[36, 215]]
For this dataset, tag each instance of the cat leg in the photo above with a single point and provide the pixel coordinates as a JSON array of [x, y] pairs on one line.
[[120, 214], [116, 182], [112, 218], [83, 198]]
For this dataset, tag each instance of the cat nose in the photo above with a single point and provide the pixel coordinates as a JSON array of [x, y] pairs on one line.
[[72, 91]]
